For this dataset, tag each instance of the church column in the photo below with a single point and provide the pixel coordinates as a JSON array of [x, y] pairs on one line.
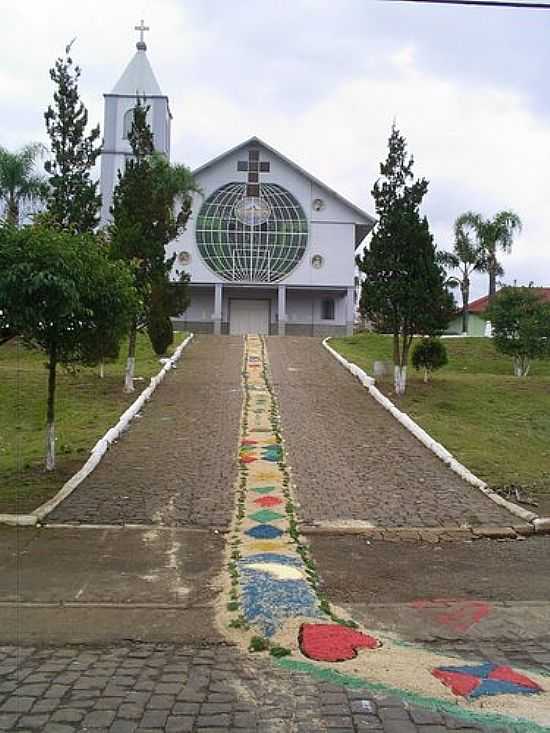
[[282, 310], [350, 311], [217, 316]]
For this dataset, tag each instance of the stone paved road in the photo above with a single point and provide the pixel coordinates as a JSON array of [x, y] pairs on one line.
[[211, 689], [351, 460], [177, 463]]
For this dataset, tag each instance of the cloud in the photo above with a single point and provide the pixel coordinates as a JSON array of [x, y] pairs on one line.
[[321, 81]]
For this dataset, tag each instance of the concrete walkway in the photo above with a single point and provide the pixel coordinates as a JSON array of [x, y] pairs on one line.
[[352, 461]]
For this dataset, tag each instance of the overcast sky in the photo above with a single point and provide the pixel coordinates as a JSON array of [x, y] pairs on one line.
[[322, 81]]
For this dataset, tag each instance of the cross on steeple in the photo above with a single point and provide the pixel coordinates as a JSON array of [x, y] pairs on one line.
[[141, 45], [254, 166]]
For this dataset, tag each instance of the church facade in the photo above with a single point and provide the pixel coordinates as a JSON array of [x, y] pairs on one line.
[[269, 248]]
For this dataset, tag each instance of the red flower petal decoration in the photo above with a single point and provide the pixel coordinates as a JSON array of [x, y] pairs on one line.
[[507, 674], [267, 501], [332, 642], [458, 682]]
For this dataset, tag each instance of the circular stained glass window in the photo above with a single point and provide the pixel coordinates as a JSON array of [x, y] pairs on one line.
[[251, 238]]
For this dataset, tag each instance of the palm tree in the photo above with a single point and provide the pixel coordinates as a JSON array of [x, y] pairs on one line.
[[493, 235], [467, 257], [19, 184]]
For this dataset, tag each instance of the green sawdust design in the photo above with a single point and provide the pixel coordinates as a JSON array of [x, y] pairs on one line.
[[266, 515], [329, 675]]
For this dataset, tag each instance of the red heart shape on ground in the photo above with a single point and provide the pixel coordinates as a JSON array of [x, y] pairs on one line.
[[332, 642], [458, 614]]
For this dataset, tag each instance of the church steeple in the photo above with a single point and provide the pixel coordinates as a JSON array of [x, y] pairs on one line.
[[137, 81], [138, 77]]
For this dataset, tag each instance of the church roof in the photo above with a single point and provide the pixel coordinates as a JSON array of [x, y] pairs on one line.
[[138, 78], [363, 225]]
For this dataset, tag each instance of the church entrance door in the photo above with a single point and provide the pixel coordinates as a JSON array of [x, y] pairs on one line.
[[248, 316]]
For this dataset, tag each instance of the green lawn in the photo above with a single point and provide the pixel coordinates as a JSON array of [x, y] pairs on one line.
[[494, 423], [86, 407]]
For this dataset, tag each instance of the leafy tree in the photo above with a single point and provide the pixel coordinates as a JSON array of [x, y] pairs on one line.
[[151, 206], [467, 257], [493, 235], [429, 354], [74, 201], [521, 326], [403, 288], [52, 289], [19, 183], [102, 345]]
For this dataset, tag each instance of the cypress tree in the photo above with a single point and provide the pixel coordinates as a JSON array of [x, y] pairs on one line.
[[403, 289], [74, 201]]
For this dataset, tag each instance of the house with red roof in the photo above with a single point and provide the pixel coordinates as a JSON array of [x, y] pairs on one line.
[[478, 323]]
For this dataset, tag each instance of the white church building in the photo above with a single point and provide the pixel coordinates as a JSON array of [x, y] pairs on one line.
[[269, 248]]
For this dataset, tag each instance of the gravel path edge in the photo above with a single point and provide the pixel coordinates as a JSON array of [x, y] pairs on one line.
[[99, 449]]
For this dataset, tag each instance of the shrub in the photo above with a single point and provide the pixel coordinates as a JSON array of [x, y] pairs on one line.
[[429, 354], [161, 332]]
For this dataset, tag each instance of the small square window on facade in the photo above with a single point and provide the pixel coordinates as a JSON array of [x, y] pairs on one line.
[[242, 165], [264, 166], [327, 309]]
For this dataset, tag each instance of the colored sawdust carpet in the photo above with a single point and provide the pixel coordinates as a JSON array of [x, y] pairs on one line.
[[274, 588], [485, 679], [264, 532], [333, 643], [268, 501]]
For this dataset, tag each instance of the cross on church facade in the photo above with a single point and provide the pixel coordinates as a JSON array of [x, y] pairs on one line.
[[142, 28], [254, 166]]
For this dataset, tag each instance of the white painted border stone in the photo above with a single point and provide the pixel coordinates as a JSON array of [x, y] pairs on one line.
[[99, 449], [439, 450]]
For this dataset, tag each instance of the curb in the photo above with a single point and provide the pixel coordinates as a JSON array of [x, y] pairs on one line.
[[539, 525], [99, 449], [431, 535]]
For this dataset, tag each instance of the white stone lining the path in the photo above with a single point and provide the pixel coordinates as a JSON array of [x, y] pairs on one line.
[[99, 449], [540, 524]]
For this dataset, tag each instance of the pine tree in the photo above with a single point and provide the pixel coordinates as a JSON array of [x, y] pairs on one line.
[[74, 201], [151, 206], [403, 289]]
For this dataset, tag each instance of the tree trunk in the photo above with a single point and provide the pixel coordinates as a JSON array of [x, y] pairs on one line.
[[50, 418], [131, 361], [12, 216], [101, 369], [426, 376], [521, 366], [465, 302], [492, 268], [399, 379], [400, 360]]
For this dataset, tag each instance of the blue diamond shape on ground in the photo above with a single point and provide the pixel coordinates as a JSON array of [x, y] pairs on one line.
[[264, 532]]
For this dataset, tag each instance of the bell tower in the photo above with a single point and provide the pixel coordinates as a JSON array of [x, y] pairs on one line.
[[137, 81]]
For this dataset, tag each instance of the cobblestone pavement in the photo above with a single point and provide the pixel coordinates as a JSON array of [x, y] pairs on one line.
[[211, 689], [177, 463], [351, 460]]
